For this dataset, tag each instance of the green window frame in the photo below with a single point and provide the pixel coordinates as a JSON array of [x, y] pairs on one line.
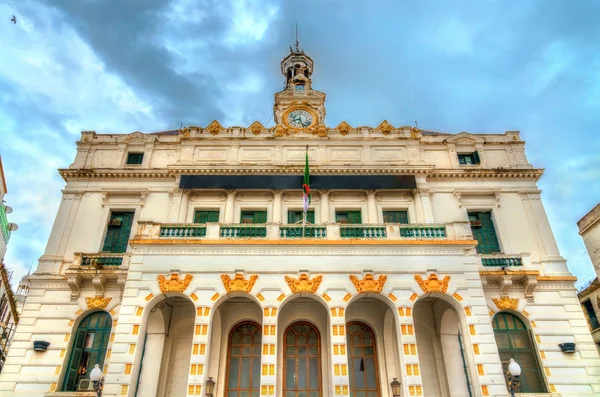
[[362, 360], [135, 158], [253, 217], [482, 227], [514, 341], [395, 217], [243, 364], [298, 216], [348, 217], [204, 216], [468, 158], [117, 234], [89, 348], [591, 314]]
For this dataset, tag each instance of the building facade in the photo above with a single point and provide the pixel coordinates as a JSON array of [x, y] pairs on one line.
[[181, 257], [6, 227], [589, 229]]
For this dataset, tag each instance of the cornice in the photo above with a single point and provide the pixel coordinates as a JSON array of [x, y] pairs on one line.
[[595, 285]]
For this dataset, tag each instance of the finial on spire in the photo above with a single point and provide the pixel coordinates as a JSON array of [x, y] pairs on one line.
[[297, 44]]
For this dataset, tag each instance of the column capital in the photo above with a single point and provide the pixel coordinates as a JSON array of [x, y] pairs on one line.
[[231, 191]]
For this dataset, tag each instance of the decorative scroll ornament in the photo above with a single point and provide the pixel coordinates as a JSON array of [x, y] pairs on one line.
[[385, 127], [433, 283], [303, 283], [256, 128], [214, 127], [280, 130], [344, 128], [322, 131], [97, 302], [238, 283], [173, 283], [185, 132], [506, 303], [414, 132], [368, 283]]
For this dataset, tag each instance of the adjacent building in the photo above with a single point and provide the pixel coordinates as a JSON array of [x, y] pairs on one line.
[[182, 258]]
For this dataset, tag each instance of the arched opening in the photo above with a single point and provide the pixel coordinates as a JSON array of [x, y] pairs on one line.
[[88, 349], [167, 348], [235, 343], [441, 346], [514, 340], [373, 349], [243, 360], [304, 339]]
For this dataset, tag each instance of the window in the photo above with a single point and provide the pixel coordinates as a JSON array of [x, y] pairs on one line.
[[243, 365], [484, 232], [135, 158], [202, 216], [297, 216], [89, 348], [348, 217], [299, 88], [362, 360], [254, 217], [117, 235], [591, 314], [514, 341], [395, 217], [302, 365], [468, 158]]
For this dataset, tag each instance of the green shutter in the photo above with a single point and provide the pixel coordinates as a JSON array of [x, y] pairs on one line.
[[260, 216], [297, 216], [354, 217], [206, 216], [70, 383], [484, 234], [117, 235], [395, 217], [475, 156], [135, 158]]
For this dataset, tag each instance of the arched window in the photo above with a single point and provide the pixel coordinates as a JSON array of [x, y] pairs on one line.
[[302, 365], [89, 348], [362, 360], [514, 341], [243, 373]]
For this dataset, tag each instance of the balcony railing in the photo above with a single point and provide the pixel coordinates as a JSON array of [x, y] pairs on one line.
[[274, 231], [101, 260], [502, 261]]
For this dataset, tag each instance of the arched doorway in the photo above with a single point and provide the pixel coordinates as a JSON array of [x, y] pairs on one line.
[[243, 360], [362, 360], [167, 348]]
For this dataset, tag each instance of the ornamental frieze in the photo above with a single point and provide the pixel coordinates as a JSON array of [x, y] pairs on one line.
[[303, 283], [433, 283], [173, 283], [368, 283], [506, 303], [238, 283], [97, 302]]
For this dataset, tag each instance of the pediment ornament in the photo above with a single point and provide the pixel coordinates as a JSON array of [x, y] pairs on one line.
[[433, 283], [97, 302], [215, 127], [344, 128], [303, 283], [385, 127], [256, 128], [368, 283], [506, 303], [173, 283], [238, 283]]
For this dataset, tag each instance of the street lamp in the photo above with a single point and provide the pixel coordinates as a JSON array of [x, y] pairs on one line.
[[395, 387], [514, 376], [210, 385], [96, 378]]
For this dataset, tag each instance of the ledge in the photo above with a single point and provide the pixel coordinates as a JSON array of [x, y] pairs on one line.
[[162, 241]]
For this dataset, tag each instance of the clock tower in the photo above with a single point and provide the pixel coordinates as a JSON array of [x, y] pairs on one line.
[[299, 108]]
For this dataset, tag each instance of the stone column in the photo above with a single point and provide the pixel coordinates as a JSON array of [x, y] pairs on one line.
[[229, 206], [426, 205], [183, 209], [268, 359], [339, 359], [175, 196], [372, 207], [324, 206], [277, 205]]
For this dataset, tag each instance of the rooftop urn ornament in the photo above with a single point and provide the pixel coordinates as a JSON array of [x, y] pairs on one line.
[[513, 375], [96, 378]]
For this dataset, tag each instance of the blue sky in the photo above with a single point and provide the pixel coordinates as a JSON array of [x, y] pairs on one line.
[[476, 66]]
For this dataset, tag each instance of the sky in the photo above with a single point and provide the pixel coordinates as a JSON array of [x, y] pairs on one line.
[[484, 66]]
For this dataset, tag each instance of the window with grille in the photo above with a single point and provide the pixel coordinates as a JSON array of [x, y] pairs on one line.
[[243, 364], [468, 158], [302, 361], [591, 314], [362, 360], [348, 217], [135, 158], [482, 227], [89, 348], [297, 216], [203, 216], [117, 235], [395, 217], [254, 217], [514, 341]]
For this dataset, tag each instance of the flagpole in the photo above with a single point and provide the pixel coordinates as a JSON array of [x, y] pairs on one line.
[[304, 206]]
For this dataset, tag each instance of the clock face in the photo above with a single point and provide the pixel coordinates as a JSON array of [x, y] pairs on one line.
[[299, 118]]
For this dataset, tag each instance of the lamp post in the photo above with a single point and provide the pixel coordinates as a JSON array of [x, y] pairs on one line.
[[210, 385], [395, 387], [514, 376], [96, 378]]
